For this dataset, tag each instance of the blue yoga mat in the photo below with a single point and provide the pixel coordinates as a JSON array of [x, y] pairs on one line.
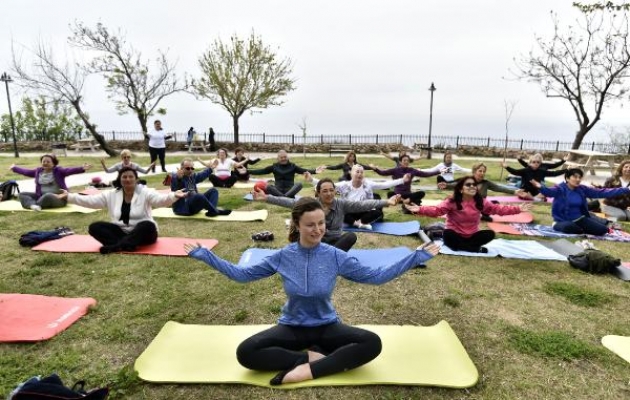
[[390, 228], [371, 257], [249, 197]]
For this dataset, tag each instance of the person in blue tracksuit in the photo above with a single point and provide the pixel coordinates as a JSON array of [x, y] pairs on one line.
[[309, 271]]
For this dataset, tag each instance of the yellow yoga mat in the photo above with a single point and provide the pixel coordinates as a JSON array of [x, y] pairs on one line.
[[12, 205], [620, 345], [235, 216], [412, 355]]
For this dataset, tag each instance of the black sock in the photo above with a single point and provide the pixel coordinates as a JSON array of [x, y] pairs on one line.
[[224, 212], [212, 213]]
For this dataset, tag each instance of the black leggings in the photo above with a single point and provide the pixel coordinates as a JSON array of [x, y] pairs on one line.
[[282, 347], [145, 232], [224, 183], [473, 244], [415, 197], [366, 217], [343, 242], [156, 153]]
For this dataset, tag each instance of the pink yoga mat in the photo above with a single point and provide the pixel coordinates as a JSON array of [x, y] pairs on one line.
[[522, 218], [165, 246], [30, 318], [511, 199], [503, 228]]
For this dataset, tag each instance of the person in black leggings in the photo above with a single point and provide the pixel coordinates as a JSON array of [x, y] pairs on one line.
[[310, 341]]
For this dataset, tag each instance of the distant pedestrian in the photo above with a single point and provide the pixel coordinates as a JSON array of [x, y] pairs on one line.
[[191, 136], [213, 146]]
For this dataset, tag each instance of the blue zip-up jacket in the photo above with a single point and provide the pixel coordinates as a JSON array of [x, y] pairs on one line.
[[189, 183], [569, 205], [309, 276]]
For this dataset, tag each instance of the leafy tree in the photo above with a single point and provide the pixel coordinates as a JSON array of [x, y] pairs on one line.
[[60, 82], [586, 64], [129, 82], [44, 120], [243, 74]]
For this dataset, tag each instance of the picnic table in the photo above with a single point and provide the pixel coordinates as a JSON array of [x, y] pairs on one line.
[[86, 144], [594, 160]]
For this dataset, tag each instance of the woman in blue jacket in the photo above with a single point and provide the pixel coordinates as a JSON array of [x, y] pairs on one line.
[[309, 270], [569, 208]]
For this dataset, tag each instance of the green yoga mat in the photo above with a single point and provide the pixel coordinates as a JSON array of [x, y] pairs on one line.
[[412, 355], [12, 205], [235, 216], [620, 345]]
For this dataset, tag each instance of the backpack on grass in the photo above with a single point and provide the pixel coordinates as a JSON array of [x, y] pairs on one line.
[[594, 261], [51, 387], [33, 238], [9, 190]]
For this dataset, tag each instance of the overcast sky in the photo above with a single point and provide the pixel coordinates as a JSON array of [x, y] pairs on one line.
[[362, 66]]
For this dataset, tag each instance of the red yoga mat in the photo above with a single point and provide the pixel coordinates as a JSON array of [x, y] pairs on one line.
[[503, 228], [522, 218], [165, 246], [31, 318]]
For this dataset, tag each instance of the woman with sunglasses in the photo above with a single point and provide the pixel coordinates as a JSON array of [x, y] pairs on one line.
[[125, 162], [536, 170], [463, 211]]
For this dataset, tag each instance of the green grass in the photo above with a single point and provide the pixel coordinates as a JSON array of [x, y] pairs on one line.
[[578, 295], [518, 319]]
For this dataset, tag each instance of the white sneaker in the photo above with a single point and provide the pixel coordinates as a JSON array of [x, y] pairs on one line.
[[365, 226], [35, 207]]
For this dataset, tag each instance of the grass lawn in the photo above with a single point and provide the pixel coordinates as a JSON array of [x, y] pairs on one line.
[[532, 328]]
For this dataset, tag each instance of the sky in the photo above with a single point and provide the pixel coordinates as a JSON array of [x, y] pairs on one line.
[[361, 66]]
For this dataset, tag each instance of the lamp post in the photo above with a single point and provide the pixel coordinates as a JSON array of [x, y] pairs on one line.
[[431, 89], [6, 79]]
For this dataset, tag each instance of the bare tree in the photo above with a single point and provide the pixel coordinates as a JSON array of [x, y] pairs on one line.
[[60, 82], [129, 82], [586, 64], [243, 74], [302, 127], [509, 110]]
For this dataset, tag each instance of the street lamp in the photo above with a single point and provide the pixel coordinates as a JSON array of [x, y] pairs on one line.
[[6, 79], [431, 89]]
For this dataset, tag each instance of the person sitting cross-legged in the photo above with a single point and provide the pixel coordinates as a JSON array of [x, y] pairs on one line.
[[187, 179], [463, 211], [358, 189], [129, 208], [284, 176], [310, 341], [570, 208]]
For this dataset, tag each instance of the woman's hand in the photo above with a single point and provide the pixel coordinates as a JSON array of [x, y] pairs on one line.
[[535, 183], [308, 177], [320, 169], [259, 195], [520, 192], [180, 194], [11, 167], [373, 166], [430, 248], [395, 199], [86, 166], [150, 167], [413, 208], [442, 185], [189, 247], [204, 163], [63, 195], [504, 164], [407, 178], [525, 207]]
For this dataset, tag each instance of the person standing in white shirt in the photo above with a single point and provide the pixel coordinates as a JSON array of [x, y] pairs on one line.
[[157, 144]]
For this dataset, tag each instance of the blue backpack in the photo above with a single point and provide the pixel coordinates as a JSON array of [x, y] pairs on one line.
[[33, 238]]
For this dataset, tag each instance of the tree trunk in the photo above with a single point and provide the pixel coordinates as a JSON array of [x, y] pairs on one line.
[[99, 138], [579, 136], [143, 124], [235, 124]]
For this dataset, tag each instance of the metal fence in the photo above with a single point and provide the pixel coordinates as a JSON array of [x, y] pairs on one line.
[[437, 142]]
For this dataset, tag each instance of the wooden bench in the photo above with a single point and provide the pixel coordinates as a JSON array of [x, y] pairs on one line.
[[340, 148]]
